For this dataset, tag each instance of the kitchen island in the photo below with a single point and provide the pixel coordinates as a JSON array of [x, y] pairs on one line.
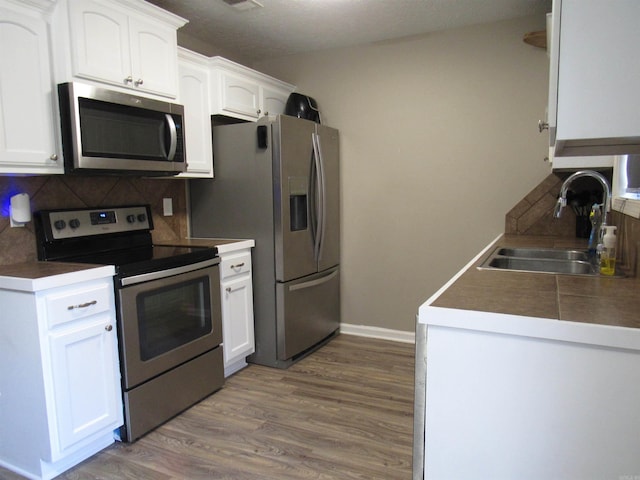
[[528, 375]]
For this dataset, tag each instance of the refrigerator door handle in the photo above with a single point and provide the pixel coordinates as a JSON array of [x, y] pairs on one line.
[[313, 283], [319, 204], [322, 217]]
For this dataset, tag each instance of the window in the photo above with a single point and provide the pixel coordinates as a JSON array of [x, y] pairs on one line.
[[626, 185]]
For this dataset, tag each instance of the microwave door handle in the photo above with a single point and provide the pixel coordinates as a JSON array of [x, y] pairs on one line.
[[173, 136]]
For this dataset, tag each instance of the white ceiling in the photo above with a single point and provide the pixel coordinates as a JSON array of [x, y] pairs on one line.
[[286, 27]]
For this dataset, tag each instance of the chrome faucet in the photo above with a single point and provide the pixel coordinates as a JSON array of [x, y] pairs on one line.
[[606, 193], [606, 196]]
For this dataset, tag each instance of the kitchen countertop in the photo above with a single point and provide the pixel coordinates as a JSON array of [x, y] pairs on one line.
[[35, 276], [222, 245], [587, 299]]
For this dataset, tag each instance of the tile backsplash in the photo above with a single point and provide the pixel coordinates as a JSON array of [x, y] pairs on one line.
[[533, 215], [64, 191]]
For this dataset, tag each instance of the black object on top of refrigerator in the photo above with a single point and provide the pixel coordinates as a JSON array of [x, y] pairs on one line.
[[302, 106], [277, 181]]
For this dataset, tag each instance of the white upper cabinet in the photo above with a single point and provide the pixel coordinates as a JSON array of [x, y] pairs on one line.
[[594, 105], [193, 79], [128, 43], [240, 92], [28, 130]]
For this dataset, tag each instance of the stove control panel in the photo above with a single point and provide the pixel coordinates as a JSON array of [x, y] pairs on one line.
[[91, 221]]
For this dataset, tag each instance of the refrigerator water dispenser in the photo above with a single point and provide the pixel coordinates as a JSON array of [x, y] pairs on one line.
[[298, 203]]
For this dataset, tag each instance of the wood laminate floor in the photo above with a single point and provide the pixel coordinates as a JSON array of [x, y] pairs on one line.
[[344, 412]]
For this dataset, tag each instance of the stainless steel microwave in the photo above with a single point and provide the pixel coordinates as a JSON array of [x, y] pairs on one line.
[[109, 132]]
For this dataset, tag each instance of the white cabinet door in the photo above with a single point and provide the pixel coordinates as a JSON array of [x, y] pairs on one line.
[[110, 45], [237, 318], [194, 95], [100, 42], [273, 100], [85, 378], [153, 57], [27, 127], [240, 92], [240, 96], [598, 106], [236, 290]]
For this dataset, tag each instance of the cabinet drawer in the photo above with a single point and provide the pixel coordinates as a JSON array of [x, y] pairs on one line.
[[78, 303], [235, 265]]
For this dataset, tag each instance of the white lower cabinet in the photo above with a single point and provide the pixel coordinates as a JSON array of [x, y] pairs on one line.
[[236, 289], [60, 394]]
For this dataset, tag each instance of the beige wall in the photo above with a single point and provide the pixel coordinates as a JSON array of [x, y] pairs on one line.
[[439, 141]]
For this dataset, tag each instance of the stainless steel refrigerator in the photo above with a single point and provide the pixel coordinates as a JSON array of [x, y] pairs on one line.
[[277, 181]]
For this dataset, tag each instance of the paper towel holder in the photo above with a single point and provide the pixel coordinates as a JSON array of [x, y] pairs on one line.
[[20, 212]]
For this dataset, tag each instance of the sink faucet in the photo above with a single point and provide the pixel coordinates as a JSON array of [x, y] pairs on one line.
[[606, 196]]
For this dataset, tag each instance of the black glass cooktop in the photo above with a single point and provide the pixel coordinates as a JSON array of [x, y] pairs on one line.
[[138, 260]]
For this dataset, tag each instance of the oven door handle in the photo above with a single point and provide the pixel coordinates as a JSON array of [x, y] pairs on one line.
[[147, 277]]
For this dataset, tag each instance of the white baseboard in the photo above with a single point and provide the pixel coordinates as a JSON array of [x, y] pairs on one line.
[[378, 332]]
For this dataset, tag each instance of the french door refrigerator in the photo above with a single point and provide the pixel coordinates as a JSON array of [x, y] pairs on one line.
[[277, 181]]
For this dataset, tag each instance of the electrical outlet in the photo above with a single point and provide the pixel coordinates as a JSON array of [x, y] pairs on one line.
[[167, 207]]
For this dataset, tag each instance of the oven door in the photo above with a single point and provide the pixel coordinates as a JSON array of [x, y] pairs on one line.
[[167, 318]]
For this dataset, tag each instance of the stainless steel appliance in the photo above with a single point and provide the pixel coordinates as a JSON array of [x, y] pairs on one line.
[[110, 132], [277, 181], [168, 307]]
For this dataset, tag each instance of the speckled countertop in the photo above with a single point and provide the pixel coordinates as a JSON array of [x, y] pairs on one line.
[[597, 299]]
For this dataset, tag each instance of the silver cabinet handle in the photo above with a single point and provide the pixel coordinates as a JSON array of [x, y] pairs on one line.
[[53, 157], [228, 289], [138, 82], [129, 79], [108, 328], [258, 112], [542, 126], [239, 265], [82, 305]]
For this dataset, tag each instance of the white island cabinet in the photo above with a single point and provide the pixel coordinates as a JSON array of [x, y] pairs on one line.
[[236, 290], [60, 395]]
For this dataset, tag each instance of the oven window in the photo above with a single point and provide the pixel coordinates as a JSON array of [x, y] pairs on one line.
[[172, 316]]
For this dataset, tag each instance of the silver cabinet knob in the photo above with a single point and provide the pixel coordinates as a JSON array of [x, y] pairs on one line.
[[108, 328], [259, 111], [129, 79], [53, 157], [542, 126], [138, 82]]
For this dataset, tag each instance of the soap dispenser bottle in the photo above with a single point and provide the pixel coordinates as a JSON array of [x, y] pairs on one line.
[[608, 253]]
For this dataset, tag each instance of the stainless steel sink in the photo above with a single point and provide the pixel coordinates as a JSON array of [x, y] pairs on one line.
[[545, 253], [540, 260]]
